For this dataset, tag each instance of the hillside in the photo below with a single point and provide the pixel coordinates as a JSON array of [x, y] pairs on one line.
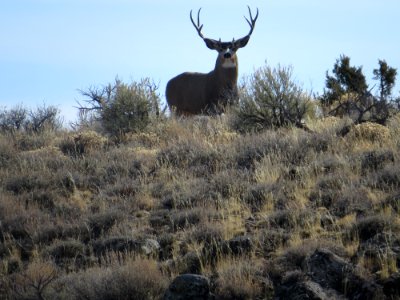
[[282, 213]]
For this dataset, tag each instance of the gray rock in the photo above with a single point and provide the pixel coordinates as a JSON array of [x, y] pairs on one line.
[[303, 290], [328, 269], [297, 286], [150, 247], [333, 272]]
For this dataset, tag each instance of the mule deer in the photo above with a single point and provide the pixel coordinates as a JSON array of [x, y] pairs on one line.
[[195, 93]]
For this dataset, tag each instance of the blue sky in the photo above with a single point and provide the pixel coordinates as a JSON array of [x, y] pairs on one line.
[[52, 48]]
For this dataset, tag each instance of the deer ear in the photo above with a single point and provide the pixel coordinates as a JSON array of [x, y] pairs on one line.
[[212, 44], [240, 43]]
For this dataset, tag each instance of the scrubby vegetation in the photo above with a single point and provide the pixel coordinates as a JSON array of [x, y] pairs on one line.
[[347, 93], [279, 212], [272, 99], [121, 108]]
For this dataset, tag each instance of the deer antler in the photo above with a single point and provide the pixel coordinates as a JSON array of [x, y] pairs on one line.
[[216, 45], [242, 42], [212, 44], [197, 26], [253, 21]]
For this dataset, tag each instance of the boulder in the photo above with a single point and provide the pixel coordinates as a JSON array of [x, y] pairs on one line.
[[333, 272], [150, 247], [302, 290], [328, 269]]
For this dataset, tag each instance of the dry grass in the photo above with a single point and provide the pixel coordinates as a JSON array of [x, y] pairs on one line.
[[243, 209]]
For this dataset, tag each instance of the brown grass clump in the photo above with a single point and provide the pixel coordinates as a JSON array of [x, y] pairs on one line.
[[82, 143], [370, 132], [242, 279], [137, 279]]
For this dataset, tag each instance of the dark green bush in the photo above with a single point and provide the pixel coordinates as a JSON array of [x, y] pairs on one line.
[[347, 93]]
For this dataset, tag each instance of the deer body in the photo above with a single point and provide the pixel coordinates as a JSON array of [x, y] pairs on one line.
[[196, 93]]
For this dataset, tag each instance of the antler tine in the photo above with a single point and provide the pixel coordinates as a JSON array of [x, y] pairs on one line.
[[253, 21], [197, 26]]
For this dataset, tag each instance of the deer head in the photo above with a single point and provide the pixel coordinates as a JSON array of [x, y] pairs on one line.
[[194, 93], [226, 50]]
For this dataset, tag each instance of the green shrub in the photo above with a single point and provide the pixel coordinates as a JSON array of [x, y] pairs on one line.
[[347, 93], [123, 108], [272, 99]]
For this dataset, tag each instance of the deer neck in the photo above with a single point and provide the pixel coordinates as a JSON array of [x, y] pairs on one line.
[[226, 70]]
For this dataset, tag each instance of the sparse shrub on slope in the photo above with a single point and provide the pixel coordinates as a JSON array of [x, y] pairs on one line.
[[122, 108], [13, 119], [44, 118], [25, 130], [20, 118], [35, 282], [272, 99]]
